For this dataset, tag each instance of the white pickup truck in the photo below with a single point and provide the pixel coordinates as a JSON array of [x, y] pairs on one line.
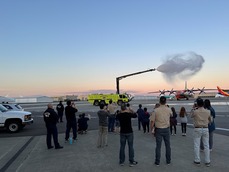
[[14, 121]]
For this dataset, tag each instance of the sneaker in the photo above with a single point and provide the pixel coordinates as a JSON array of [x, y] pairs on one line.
[[121, 164], [50, 147], [66, 141], [197, 163], [168, 163], [74, 141], [157, 164], [133, 163], [207, 164]]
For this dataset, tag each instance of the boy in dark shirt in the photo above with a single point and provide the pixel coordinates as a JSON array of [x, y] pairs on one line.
[[82, 124]]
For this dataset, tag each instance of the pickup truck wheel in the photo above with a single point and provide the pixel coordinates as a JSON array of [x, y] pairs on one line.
[[119, 102], [102, 102], [96, 103], [13, 126]]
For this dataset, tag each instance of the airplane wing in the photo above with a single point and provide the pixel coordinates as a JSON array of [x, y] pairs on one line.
[[185, 91], [159, 91]]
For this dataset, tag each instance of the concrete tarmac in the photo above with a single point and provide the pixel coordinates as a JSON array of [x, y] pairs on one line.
[[30, 154]]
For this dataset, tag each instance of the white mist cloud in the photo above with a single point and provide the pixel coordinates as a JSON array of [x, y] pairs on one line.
[[181, 66]]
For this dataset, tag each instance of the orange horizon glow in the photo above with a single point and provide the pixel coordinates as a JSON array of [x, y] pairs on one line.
[[125, 88]]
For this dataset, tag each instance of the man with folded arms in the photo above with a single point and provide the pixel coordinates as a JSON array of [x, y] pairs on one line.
[[201, 119]]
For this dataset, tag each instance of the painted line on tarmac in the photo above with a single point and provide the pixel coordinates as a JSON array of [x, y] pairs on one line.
[[186, 103], [92, 117], [222, 116], [6, 166], [222, 129]]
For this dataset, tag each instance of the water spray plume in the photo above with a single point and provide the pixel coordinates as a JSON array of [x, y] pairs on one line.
[[181, 66]]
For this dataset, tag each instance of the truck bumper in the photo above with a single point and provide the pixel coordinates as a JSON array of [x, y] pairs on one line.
[[28, 122]]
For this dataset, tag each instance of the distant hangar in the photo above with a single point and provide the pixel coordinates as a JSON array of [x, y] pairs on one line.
[[39, 99]]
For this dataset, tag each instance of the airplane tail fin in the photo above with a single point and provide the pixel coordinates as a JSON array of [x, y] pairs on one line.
[[218, 88], [222, 92]]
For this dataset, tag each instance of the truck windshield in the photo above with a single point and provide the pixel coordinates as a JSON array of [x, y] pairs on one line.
[[19, 107], [129, 96], [3, 109]]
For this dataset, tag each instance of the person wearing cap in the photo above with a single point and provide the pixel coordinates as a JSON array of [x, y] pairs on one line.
[[201, 119], [160, 125], [126, 135]]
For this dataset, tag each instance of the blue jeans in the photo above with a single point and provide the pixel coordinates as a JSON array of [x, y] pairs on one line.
[[129, 137], [165, 134], [111, 122]]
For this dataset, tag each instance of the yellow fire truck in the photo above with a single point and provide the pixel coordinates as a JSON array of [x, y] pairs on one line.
[[96, 99], [118, 98]]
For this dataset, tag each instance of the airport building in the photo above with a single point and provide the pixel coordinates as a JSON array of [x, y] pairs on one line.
[[70, 97], [206, 95], [40, 99]]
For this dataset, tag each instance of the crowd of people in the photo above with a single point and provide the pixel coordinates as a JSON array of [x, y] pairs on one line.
[[161, 123]]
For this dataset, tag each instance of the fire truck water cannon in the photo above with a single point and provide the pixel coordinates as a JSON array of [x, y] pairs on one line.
[[132, 74], [97, 99]]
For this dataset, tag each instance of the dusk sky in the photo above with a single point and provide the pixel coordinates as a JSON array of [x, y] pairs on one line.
[[55, 47]]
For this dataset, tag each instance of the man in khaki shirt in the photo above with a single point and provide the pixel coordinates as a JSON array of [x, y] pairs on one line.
[[160, 118], [201, 118]]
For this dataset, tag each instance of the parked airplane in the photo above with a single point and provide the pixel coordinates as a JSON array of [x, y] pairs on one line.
[[222, 92], [180, 94]]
